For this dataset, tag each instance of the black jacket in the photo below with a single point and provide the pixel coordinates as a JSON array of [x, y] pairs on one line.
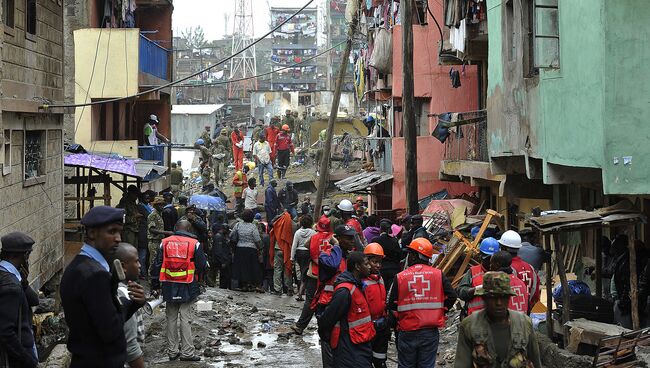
[[288, 198], [390, 265], [15, 316], [174, 292], [221, 251], [170, 217], [94, 316], [346, 354]]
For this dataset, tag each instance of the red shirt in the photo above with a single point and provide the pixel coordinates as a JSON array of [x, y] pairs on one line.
[[283, 142]]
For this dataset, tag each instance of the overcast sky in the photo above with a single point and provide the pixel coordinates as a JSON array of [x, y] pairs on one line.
[[210, 14]]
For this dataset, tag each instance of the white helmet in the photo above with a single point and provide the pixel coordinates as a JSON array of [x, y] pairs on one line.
[[153, 117], [345, 206], [510, 239]]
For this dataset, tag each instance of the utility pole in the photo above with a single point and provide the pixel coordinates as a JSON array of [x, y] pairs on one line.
[[408, 113], [327, 150]]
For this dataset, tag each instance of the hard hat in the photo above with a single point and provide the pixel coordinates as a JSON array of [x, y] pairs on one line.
[[200, 141], [422, 246], [345, 206], [475, 231], [251, 165], [153, 117], [359, 198], [489, 246], [374, 249], [285, 127], [510, 239]]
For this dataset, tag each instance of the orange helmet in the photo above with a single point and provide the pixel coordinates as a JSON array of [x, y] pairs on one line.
[[359, 198], [374, 249], [285, 127], [422, 246]]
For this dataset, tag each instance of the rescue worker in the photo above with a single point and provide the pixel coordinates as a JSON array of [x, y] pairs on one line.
[[496, 336], [375, 293], [179, 264], [132, 216], [156, 228], [358, 203], [347, 210], [420, 296], [473, 278], [319, 242], [206, 160], [331, 263], [511, 242], [520, 302], [347, 317], [17, 344], [283, 147], [239, 183], [207, 137], [272, 132], [237, 140], [176, 178], [89, 295], [224, 142]]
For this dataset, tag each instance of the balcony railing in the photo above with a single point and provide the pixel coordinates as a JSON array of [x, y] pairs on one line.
[[381, 151], [154, 153], [154, 59], [467, 138]]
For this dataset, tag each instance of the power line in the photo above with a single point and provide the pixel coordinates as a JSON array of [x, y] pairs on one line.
[[170, 84], [263, 74]]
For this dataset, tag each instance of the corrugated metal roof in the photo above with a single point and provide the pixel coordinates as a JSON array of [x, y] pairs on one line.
[[360, 182], [195, 109]]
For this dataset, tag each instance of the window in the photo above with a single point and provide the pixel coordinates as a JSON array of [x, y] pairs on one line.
[[422, 116], [110, 121], [547, 34], [528, 23], [421, 11], [510, 30], [34, 156], [30, 17], [6, 164], [8, 11]]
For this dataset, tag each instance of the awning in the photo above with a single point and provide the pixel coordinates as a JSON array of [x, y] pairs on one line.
[[115, 164], [360, 182]]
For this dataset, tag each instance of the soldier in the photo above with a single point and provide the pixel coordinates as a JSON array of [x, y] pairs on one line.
[[218, 156], [156, 228], [289, 119], [132, 216], [176, 178], [207, 137], [496, 336], [206, 160], [224, 142]]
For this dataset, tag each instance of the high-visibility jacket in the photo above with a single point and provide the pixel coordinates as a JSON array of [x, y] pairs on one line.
[[178, 259], [319, 242], [375, 292], [476, 304], [420, 298], [360, 324], [518, 302], [239, 182], [327, 290], [528, 275]]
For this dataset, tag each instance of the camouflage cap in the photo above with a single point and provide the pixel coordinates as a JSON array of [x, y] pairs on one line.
[[495, 284], [159, 201]]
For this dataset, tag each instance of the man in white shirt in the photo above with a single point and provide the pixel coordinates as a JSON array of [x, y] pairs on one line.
[[250, 196], [262, 155]]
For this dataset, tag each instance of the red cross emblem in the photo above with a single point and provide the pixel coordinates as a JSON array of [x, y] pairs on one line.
[[418, 285], [519, 300]]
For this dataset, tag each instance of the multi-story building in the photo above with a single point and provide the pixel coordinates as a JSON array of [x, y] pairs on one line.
[[337, 34], [31, 181], [116, 56], [295, 41]]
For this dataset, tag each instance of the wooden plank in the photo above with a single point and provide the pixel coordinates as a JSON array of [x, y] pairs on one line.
[[599, 263], [566, 301], [549, 288], [633, 279]]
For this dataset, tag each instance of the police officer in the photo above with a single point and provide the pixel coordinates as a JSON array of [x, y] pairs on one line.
[[496, 336], [17, 347], [511, 242], [420, 296], [178, 266], [473, 279], [89, 295]]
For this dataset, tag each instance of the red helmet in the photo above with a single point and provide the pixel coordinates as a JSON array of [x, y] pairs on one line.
[[285, 127], [374, 249], [422, 246], [359, 198]]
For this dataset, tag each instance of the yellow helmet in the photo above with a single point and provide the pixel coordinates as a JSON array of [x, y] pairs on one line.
[[251, 165]]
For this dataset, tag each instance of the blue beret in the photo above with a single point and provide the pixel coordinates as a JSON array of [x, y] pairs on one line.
[[17, 242], [103, 215]]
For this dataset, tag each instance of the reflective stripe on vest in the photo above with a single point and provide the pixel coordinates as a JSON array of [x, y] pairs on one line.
[[328, 289], [178, 259], [420, 299], [375, 292], [360, 326], [476, 304]]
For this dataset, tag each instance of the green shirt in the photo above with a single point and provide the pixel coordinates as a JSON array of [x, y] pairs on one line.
[[155, 221], [130, 215]]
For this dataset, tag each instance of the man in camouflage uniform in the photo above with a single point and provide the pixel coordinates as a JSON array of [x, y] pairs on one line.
[[132, 216], [496, 337], [207, 137], [218, 159], [206, 160], [224, 141], [176, 174], [289, 120], [156, 228]]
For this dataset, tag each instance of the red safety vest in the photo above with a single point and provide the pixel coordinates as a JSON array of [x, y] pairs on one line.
[[327, 290], [375, 292], [356, 225], [420, 299], [528, 275], [476, 304], [178, 259], [519, 302], [360, 324], [319, 242]]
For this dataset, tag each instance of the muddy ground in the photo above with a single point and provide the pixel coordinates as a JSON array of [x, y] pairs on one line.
[[251, 329]]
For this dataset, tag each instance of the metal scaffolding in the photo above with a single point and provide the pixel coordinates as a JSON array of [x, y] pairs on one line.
[[243, 65]]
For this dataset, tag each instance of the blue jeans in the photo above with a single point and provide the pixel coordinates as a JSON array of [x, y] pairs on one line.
[[269, 169], [418, 349], [292, 211], [142, 257]]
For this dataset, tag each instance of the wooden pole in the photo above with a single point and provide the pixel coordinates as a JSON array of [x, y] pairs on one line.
[[633, 279], [408, 110], [599, 263], [566, 300], [327, 150], [549, 288]]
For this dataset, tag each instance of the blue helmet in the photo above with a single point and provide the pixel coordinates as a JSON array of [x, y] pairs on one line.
[[475, 231], [200, 141], [489, 246]]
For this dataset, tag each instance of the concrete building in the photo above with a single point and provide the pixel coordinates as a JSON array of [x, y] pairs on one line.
[[295, 41], [31, 181], [189, 121], [336, 33], [118, 56]]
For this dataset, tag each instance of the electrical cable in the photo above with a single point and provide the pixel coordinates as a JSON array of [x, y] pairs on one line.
[[263, 74], [173, 83]]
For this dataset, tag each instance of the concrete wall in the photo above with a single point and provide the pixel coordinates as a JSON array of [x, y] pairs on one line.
[[186, 129]]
